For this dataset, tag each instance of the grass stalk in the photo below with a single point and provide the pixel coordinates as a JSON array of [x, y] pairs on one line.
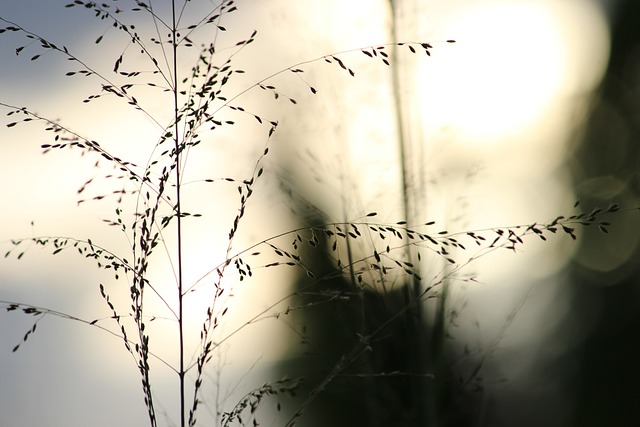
[[417, 331], [176, 120]]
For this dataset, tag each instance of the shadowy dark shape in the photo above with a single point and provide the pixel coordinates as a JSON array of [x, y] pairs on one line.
[[378, 384], [608, 297]]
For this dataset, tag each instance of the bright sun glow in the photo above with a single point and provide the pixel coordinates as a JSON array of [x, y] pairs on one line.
[[501, 99], [511, 63]]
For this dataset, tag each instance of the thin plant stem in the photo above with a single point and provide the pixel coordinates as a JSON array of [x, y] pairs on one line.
[[417, 333], [176, 121]]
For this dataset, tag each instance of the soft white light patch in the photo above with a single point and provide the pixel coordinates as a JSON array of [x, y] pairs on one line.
[[511, 62], [506, 94]]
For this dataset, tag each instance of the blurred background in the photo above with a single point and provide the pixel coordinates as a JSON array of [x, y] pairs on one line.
[[534, 107]]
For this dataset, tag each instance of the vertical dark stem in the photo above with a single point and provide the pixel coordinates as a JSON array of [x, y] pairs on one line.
[[417, 331], [178, 210], [399, 114], [405, 166]]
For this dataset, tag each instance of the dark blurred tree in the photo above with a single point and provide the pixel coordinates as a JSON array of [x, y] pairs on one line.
[[377, 383]]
